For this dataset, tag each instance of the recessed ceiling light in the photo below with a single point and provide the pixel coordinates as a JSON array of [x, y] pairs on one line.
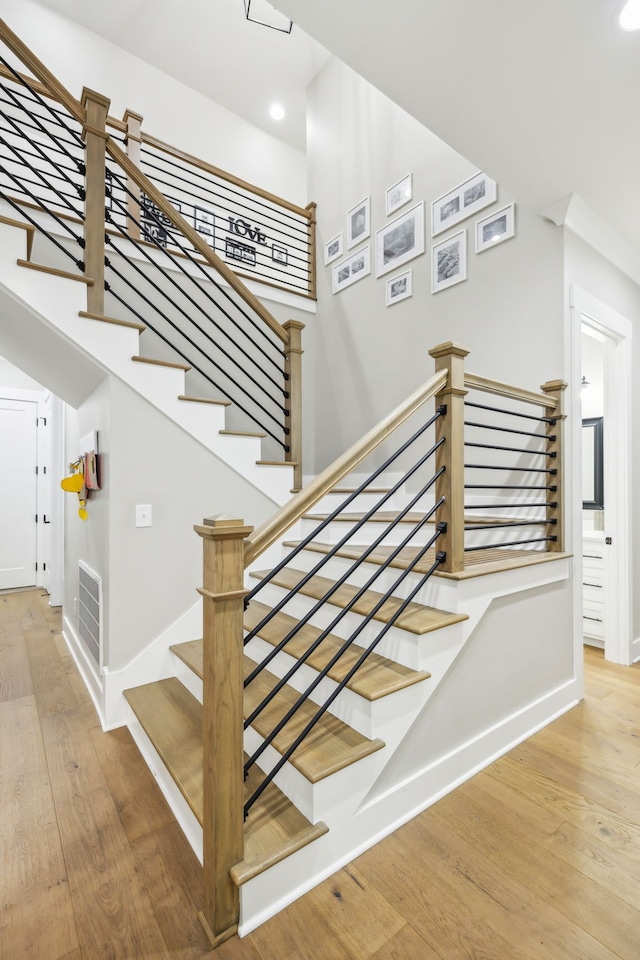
[[629, 18], [276, 112]]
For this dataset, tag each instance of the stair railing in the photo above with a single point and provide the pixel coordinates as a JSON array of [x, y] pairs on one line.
[[188, 296]]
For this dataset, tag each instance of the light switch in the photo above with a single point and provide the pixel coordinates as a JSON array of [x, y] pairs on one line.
[[143, 515]]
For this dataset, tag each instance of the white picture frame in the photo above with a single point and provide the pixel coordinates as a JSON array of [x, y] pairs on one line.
[[349, 271], [399, 287], [398, 194], [333, 249], [496, 228], [400, 241], [449, 262], [359, 223], [464, 201]]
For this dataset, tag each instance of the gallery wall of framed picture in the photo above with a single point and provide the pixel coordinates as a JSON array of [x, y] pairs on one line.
[[402, 239]]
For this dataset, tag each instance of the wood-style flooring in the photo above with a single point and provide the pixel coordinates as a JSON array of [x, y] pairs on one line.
[[536, 858]]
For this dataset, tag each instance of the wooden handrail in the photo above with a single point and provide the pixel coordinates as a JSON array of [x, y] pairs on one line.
[[38, 69], [223, 175], [506, 390], [274, 528], [138, 177]]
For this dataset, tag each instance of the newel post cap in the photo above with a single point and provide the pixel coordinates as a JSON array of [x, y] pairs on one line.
[[223, 526], [448, 349]]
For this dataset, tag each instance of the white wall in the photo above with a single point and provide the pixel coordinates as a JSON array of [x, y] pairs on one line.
[[11, 376], [172, 111], [369, 357], [150, 574]]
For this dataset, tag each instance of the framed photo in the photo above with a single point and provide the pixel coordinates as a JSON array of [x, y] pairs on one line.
[[495, 228], [400, 287], [279, 254], [400, 241], [333, 249], [449, 262], [359, 222], [242, 252], [472, 195], [354, 268], [399, 194], [203, 223]]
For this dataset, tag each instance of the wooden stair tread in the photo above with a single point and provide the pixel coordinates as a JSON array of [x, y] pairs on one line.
[[417, 618], [172, 719], [114, 320], [162, 363], [21, 225], [54, 271], [242, 433], [377, 678], [277, 463], [478, 563], [318, 756], [331, 745], [221, 403], [382, 516]]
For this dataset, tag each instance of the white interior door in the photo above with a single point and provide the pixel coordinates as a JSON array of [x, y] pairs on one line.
[[18, 492]]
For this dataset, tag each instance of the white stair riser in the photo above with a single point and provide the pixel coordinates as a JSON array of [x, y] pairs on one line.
[[369, 532], [321, 800], [401, 645], [437, 591], [371, 718]]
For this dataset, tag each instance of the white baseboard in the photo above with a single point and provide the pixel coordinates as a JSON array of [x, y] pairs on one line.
[[375, 820], [85, 666]]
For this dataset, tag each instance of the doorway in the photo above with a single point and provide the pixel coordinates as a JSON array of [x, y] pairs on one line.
[[18, 492], [606, 336]]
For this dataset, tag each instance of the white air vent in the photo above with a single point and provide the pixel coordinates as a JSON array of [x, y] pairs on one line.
[[90, 611]]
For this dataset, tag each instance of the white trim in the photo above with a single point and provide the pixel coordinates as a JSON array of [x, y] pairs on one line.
[[85, 667], [586, 309]]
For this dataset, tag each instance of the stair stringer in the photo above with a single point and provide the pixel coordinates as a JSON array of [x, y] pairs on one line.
[[56, 303], [370, 811]]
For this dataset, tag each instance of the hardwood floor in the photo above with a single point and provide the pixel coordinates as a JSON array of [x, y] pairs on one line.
[[536, 858]]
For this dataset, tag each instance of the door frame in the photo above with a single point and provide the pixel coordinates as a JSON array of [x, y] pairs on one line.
[[588, 310]]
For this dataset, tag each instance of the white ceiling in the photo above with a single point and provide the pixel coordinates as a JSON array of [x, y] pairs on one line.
[[210, 46], [542, 94]]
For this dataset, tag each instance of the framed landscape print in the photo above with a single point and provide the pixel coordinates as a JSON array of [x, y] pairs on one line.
[[472, 195], [399, 194], [399, 288], [495, 228], [355, 267], [333, 249], [449, 262], [400, 241], [359, 222]]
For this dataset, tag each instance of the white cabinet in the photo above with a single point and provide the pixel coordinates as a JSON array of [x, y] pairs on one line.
[[593, 587]]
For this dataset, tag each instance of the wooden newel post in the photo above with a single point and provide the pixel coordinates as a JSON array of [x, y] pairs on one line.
[[223, 596], [293, 421], [134, 139], [313, 247], [555, 514], [450, 356], [95, 135]]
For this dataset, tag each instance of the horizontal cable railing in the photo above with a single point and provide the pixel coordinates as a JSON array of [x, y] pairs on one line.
[[414, 548], [42, 165], [143, 264], [510, 474], [256, 233], [182, 302]]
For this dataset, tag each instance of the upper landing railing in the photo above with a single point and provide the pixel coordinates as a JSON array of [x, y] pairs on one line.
[[168, 263]]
